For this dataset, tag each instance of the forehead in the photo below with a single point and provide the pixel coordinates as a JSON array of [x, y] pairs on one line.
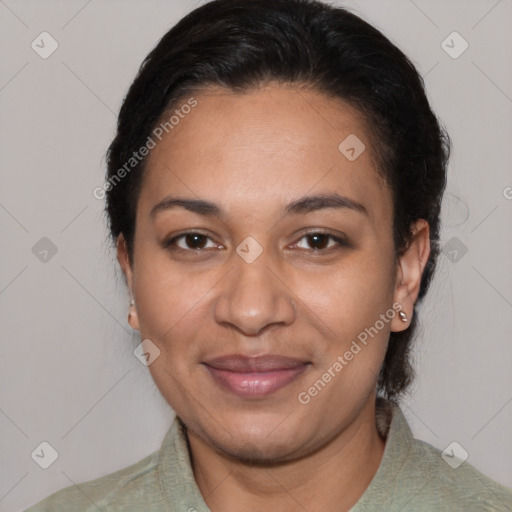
[[267, 146]]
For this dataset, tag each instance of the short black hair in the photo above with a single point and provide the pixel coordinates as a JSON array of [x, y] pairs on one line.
[[244, 44]]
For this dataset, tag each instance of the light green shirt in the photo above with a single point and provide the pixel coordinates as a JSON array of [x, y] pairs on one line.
[[412, 476]]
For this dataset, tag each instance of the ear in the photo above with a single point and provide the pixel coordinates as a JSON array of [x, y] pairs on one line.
[[409, 271], [124, 262]]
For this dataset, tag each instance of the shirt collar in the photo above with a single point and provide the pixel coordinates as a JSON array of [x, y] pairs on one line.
[[175, 472], [393, 426], [182, 493]]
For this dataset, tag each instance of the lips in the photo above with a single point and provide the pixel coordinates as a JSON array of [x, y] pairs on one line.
[[254, 377]]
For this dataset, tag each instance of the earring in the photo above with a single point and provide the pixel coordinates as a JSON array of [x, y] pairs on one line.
[[132, 303], [403, 316]]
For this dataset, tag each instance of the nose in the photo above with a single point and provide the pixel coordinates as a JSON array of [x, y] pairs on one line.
[[253, 297]]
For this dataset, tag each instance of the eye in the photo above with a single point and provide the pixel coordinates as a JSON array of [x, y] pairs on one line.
[[190, 241], [319, 241], [194, 241]]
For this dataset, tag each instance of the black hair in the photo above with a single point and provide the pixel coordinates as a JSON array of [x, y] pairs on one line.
[[244, 44]]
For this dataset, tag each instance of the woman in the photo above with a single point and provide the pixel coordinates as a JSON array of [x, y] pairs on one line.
[[273, 191]]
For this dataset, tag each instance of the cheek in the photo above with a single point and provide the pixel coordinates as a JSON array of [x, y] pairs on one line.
[[167, 301], [351, 295], [353, 306], [166, 292]]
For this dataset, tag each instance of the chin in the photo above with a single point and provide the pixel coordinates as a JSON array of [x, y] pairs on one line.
[[260, 441], [264, 453]]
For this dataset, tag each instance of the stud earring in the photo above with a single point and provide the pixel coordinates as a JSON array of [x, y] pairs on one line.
[[132, 303], [403, 316]]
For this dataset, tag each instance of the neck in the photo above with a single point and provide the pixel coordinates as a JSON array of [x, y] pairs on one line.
[[332, 478]]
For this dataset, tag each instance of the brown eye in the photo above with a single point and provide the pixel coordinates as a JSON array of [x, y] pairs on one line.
[[189, 241], [319, 241]]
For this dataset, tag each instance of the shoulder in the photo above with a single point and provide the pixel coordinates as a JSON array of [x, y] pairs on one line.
[[122, 489], [414, 475], [445, 481]]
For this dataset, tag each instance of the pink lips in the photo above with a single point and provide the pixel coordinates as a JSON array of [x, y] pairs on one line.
[[254, 377]]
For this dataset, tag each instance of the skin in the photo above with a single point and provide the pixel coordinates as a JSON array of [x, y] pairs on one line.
[[252, 154]]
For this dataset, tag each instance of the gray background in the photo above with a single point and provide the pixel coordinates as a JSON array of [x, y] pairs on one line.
[[68, 375]]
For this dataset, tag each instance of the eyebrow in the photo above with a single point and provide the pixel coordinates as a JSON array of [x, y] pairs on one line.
[[302, 205]]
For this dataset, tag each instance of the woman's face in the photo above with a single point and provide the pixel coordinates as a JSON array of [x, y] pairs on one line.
[[268, 273]]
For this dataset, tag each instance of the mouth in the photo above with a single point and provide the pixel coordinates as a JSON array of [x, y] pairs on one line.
[[254, 377]]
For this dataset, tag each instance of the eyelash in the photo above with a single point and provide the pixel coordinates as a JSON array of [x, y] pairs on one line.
[[171, 243]]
